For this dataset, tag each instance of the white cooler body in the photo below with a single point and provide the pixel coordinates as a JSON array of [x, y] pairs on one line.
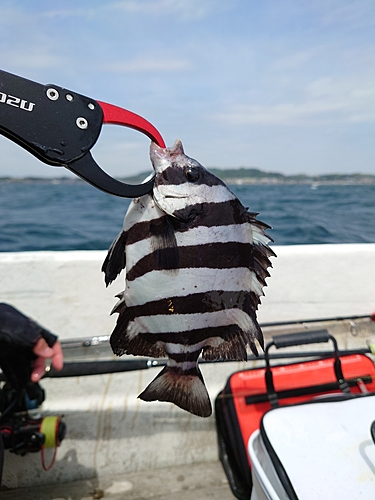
[[320, 450]]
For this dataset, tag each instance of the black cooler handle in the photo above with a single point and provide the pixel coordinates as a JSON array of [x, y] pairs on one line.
[[302, 338]]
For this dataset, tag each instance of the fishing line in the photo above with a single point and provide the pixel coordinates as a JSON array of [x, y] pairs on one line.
[[50, 428]]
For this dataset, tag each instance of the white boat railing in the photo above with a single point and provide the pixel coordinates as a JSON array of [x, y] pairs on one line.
[[109, 430]]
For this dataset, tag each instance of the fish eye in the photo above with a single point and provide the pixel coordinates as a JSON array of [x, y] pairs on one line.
[[192, 174]]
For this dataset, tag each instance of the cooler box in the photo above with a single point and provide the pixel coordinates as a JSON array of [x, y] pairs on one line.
[[249, 394], [317, 450]]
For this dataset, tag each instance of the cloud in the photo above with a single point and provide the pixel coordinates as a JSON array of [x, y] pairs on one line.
[[40, 58], [24, 44], [309, 113], [324, 101], [287, 113]]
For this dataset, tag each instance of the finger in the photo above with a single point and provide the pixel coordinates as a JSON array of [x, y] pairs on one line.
[[41, 349], [57, 356], [38, 369], [44, 352]]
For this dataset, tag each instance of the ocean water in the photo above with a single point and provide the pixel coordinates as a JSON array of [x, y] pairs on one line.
[[63, 216]]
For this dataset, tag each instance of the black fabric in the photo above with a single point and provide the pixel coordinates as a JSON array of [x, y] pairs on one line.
[[303, 391], [18, 335], [280, 471], [232, 451], [1, 458], [19, 330]]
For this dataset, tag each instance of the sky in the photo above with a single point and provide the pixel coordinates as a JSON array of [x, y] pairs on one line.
[[281, 85]]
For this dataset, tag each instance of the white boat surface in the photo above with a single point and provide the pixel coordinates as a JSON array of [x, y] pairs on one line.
[[111, 433], [329, 437]]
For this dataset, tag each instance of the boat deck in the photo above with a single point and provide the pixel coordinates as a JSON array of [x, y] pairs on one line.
[[183, 482]]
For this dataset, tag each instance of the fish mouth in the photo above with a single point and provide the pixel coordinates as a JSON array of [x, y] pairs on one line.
[[174, 196], [159, 197], [159, 204], [170, 202], [169, 194]]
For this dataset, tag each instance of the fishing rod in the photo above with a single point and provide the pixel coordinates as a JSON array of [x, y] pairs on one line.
[[98, 347], [87, 368], [81, 368], [318, 320]]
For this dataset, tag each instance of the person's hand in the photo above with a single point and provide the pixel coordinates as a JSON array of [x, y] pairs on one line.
[[44, 352]]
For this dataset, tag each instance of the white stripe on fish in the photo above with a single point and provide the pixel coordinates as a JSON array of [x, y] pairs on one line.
[[167, 323], [196, 236], [155, 285], [176, 198]]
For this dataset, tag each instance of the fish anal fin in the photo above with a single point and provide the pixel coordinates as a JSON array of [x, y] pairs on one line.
[[234, 349], [138, 344], [255, 334], [233, 346], [186, 390]]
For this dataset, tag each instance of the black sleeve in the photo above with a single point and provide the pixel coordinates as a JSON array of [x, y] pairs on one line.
[[18, 335], [18, 330]]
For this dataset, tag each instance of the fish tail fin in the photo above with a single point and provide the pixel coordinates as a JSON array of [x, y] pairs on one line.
[[186, 390]]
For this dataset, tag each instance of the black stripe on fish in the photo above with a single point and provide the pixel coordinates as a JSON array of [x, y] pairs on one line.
[[216, 214], [216, 300], [222, 213], [183, 357], [192, 337], [210, 255], [175, 175]]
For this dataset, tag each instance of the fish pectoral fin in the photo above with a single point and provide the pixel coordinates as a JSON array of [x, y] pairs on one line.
[[167, 259], [164, 244], [184, 390], [115, 260]]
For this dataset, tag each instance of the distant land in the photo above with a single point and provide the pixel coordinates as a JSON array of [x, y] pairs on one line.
[[241, 175], [245, 175]]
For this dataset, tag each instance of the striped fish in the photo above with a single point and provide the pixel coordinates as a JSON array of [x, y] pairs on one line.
[[196, 263]]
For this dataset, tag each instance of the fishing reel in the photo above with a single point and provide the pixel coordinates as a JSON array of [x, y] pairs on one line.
[[22, 429]]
